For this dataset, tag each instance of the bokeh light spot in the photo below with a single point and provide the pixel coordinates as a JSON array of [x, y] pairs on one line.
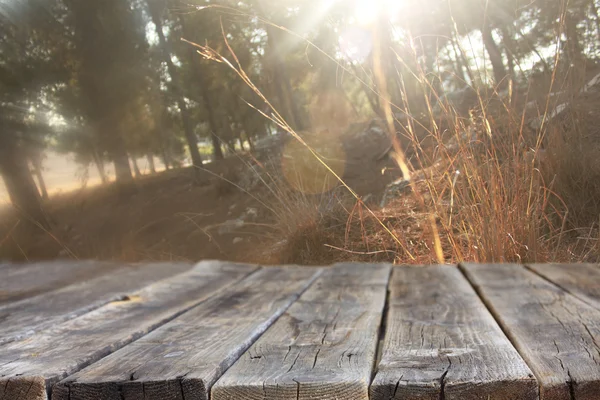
[[305, 173]]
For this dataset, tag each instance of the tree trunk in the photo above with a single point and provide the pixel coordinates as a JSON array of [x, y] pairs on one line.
[[19, 183], [229, 136], [100, 166], [36, 163], [285, 93], [250, 142], [150, 159], [369, 94], [495, 55], [190, 136], [231, 146], [120, 158], [281, 81], [459, 73], [463, 59], [435, 82], [399, 78], [574, 49], [241, 144], [216, 143], [165, 159], [509, 49], [136, 168], [122, 167], [195, 60]]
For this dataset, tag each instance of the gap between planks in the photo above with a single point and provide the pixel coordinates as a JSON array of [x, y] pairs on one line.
[[323, 347], [442, 343], [52, 355], [183, 358], [556, 333]]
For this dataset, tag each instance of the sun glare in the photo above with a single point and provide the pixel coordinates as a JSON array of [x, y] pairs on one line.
[[356, 41], [367, 11]]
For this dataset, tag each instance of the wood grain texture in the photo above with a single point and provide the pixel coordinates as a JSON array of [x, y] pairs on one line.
[[557, 334], [54, 354], [24, 318], [581, 280], [182, 359], [442, 343], [20, 281], [323, 347]]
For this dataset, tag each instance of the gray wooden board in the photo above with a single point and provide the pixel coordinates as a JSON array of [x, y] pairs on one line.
[[557, 334], [182, 359], [52, 355], [581, 280], [442, 343], [23, 318], [19, 281], [324, 347]]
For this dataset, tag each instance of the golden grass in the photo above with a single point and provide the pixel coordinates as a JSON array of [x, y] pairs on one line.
[[491, 187]]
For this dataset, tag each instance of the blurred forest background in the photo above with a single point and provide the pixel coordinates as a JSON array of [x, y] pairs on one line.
[[301, 131]]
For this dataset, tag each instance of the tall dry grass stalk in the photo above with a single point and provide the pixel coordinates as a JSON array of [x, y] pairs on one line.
[[488, 186]]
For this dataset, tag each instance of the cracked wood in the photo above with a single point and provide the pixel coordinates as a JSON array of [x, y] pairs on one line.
[[29, 368], [323, 347], [557, 334], [23, 318], [183, 358], [581, 280], [442, 343]]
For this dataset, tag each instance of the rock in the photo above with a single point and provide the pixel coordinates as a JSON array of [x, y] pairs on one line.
[[237, 240], [465, 138], [230, 226], [403, 187], [376, 130], [533, 104], [593, 85], [539, 121], [373, 130], [250, 214], [395, 190], [461, 100]]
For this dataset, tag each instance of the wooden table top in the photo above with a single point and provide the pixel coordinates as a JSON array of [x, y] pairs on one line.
[[92, 330]]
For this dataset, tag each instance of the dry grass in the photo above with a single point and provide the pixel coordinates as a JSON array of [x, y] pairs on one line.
[[496, 189], [489, 187]]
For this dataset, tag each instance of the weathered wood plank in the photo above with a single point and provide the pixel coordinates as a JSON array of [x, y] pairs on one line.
[[442, 343], [26, 317], [581, 280], [20, 281], [182, 359], [323, 347], [557, 334], [54, 354]]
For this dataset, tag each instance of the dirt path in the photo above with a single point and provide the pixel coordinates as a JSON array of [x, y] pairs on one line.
[[167, 216]]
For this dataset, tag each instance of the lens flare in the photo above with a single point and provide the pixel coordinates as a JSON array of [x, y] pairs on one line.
[[305, 173]]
